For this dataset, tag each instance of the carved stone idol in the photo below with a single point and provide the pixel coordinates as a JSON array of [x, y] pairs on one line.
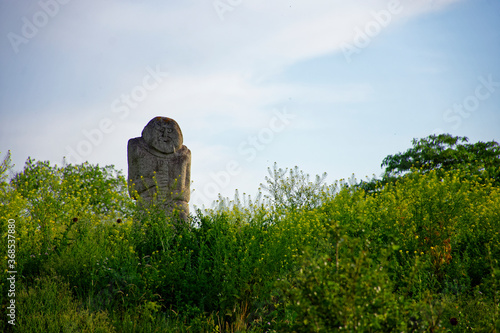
[[159, 165]]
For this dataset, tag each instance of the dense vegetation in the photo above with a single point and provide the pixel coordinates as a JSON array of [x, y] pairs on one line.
[[418, 252]]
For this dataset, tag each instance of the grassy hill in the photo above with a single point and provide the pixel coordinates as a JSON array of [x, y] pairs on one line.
[[419, 254]]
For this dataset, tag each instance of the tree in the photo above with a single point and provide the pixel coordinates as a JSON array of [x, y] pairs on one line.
[[5, 166], [442, 153], [295, 190]]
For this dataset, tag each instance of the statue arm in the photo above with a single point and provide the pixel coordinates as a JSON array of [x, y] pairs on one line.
[[183, 175], [187, 184], [136, 183]]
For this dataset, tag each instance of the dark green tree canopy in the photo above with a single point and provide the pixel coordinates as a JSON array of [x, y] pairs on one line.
[[442, 153], [445, 152]]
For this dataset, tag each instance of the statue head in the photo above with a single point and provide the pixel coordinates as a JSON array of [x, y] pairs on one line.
[[163, 134]]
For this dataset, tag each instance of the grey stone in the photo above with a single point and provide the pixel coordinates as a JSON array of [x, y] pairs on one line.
[[159, 166]]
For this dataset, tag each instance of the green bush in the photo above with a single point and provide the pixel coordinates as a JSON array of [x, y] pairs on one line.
[[48, 306], [349, 292]]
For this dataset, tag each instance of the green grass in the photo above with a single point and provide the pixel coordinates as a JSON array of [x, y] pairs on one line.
[[418, 255]]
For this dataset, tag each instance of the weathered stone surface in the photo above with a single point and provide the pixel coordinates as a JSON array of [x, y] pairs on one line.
[[160, 155]]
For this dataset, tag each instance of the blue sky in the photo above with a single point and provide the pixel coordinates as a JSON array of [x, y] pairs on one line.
[[329, 86]]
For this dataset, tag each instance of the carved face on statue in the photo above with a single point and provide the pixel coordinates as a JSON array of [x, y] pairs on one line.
[[163, 134]]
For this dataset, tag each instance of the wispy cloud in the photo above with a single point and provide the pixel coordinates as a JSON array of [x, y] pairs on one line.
[[222, 84]]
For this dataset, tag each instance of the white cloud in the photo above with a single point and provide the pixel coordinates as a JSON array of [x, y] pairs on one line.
[[220, 71]]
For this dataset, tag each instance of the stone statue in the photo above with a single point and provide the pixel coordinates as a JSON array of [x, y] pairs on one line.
[[159, 165]]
